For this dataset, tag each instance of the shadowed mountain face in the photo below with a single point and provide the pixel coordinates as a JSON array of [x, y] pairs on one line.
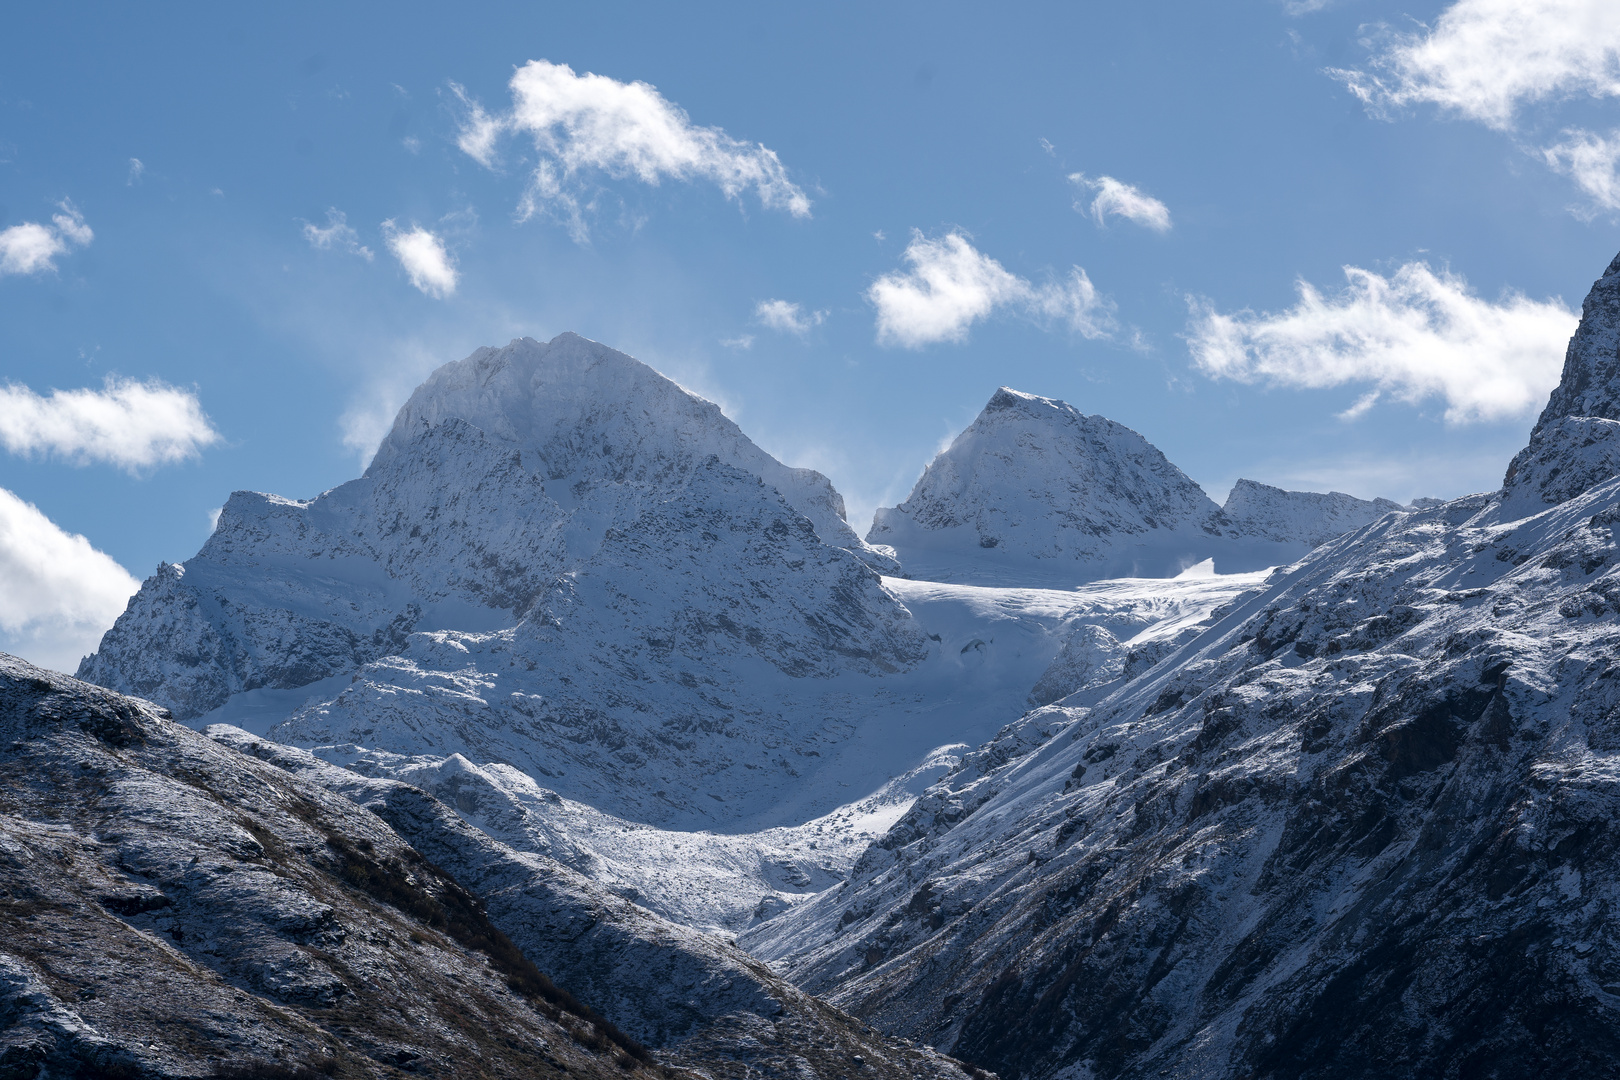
[[173, 907], [1576, 442]]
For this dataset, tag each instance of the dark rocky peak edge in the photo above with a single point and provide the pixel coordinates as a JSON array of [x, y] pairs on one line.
[[1590, 384], [1575, 444]]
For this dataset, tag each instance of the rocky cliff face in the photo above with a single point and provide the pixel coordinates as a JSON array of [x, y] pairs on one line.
[[1360, 824], [1357, 827], [1576, 441], [176, 908]]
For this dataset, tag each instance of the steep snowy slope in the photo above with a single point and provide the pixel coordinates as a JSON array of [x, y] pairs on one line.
[[588, 417], [1362, 825], [174, 908], [766, 803], [1308, 518], [1034, 491], [502, 472]]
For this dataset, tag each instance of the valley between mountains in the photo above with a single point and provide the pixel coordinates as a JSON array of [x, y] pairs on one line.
[[580, 735]]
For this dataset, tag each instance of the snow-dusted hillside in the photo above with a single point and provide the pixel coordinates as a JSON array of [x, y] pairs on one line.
[[175, 908], [1036, 491], [785, 792], [1362, 824]]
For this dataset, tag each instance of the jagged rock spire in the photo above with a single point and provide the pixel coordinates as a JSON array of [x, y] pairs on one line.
[[1590, 385], [1575, 444]]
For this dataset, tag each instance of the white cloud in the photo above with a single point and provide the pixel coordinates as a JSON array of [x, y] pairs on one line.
[[127, 423], [424, 258], [1122, 200], [741, 341], [788, 317], [1593, 162], [61, 594], [338, 234], [1414, 335], [137, 169], [31, 248], [592, 123], [951, 285], [70, 225], [1486, 59]]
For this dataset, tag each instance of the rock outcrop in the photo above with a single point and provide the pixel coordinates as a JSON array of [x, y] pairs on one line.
[[175, 907], [1575, 444]]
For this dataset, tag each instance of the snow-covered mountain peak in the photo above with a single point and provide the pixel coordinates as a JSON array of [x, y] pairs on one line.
[[503, 472], [1265, 512], [1576, 441], [584, 414], [1033, 485]]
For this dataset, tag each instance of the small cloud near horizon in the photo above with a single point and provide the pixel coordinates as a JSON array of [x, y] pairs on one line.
[[788, 317], [423, 256]]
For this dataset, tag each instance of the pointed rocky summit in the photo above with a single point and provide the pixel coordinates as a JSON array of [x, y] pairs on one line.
[[1575, 444]]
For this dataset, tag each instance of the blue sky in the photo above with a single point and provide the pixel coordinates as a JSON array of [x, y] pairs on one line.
[[264, 228]]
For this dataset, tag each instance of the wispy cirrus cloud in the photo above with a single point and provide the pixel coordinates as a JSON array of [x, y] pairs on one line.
[[950, 285], [1487, 59], [1593, 162], [1115, 198], [588, 124], [60, 594], [424, 258], [128, 423], [788, 317], [1414, 335], [32, 248], [336, 235], [1491, 60]]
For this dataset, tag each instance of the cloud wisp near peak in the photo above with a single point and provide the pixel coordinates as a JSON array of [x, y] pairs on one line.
[[588, 124], [950, 285]]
